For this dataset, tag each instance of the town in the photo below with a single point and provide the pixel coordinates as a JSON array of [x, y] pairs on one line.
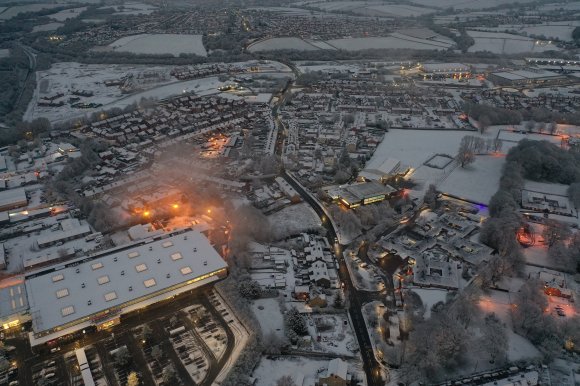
[[289, 193]]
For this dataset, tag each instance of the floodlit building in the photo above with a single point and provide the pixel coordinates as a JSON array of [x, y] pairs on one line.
[[444, 70], [13, 303], [93, 292], [353, 196]]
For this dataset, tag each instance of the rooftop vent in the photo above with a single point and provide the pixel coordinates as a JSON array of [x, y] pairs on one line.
[[130, 288], [89, 302], [83, 285], [78, 270], [122, 273]]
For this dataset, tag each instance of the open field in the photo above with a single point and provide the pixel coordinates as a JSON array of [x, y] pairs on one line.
[[464, 4], [173, 44], [477, 182], [47, 27], [502, 43], [13, 11], [67, 14]]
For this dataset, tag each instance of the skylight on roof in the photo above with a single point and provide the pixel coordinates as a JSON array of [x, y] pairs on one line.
[[103, 280], [133, 254], [58, 277], [167, 244], [110, 296], [176, 256], [96, 266], [61, 293], [141, 267], [67, 310], [149, 282], [185, 270]]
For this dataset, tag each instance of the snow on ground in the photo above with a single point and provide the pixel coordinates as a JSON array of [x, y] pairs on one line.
[[132, 9], [293, 220], [173, 44], [503, 43], [545, 187], [396, 41], [500, 303], [270, 370], [326, 66], [430, 297], [67, 14], [269, 316], [561, 30], [476, 182], [4, 53], [13, 11], [47, 27], [335, 336], [464, 4], [287, 43], [511, 138]]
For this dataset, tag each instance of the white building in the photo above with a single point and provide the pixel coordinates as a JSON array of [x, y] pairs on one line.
[[95, 291]]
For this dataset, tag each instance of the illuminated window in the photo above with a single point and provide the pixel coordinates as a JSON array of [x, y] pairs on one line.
[[61, 293], [110, 296], [133, 254], [58, 277], [167, 244], [96, 266], [103, 280], [67, 310], [185, 270], [141, 267], [149, 283], [176, 256]]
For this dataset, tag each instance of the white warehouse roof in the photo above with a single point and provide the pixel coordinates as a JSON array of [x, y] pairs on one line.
[[69, 292]]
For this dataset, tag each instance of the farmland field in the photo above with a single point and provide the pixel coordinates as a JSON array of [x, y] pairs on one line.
[[173, 44]]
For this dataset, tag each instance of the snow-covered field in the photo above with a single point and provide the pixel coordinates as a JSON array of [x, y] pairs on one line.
[[13, 11], [4, 53], [269, 316], [293, 220], [67, 14], [47, 27], [132, 9], [173, 44], [430, 297], [464, 4], [502, 43], [396, 40], [476, 182], [561, 30], [335, 336], [270, 370]]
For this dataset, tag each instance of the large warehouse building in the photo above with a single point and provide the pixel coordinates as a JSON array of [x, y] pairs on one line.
[[529, 77], [95, 291]]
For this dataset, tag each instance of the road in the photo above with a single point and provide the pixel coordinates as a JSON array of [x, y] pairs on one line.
[[356, 298], [31, 70]]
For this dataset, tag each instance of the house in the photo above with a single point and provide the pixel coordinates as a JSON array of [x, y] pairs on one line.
[[336, 374], [318, 273]]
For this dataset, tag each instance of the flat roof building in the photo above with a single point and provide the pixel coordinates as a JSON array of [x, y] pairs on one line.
[[444, 70], [95, 291], [13, 302], [526, 78], [365, 193], [12, 198]]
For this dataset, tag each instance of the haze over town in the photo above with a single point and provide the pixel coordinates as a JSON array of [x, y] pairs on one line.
[[289, 193]]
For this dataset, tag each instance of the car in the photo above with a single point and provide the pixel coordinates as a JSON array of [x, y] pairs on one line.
[[561, 313]]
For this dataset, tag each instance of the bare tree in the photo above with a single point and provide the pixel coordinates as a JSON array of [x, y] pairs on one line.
[[286, 380], [466, 154]]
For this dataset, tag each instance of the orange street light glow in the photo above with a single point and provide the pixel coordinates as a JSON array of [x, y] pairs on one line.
[[146, 213], [175, 206]]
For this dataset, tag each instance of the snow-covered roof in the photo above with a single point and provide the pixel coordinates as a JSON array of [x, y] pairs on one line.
[[13, 198], [90, 285], [337, 367], [13, 297]]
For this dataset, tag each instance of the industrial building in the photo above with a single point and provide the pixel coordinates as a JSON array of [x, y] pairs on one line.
[[444, 70], [389, 168], [12, 198], [93, 292], [353, 196], [529, 77]]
